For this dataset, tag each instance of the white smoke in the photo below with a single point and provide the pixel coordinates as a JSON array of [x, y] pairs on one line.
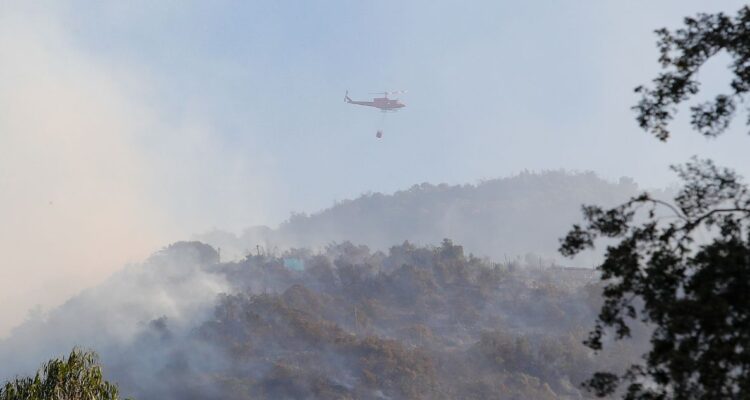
[[94, 171]]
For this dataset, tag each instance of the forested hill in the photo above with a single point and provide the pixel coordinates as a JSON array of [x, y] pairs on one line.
[[499, 218], [345, 323]]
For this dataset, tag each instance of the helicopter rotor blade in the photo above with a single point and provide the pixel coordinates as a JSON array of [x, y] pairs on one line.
[[390, 92]]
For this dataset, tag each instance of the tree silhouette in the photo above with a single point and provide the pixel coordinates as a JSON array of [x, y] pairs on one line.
[[662, 270], [682, 54]]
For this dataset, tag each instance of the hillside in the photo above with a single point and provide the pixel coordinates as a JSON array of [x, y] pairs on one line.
[[500, 218], [344, 323], [308, 314]]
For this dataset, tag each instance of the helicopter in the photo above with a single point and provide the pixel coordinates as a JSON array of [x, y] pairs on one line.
[[383, 103]]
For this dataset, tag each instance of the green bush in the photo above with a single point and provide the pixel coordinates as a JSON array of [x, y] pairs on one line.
[[76, 377]]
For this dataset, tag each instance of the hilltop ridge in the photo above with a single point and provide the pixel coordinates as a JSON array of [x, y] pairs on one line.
[[499, 218]]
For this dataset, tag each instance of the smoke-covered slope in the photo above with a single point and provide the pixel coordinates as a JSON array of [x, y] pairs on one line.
[[346, 323], [500, 218]]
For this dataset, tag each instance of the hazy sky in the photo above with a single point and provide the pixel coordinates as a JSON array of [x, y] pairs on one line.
[[125, 125], [494, 88]]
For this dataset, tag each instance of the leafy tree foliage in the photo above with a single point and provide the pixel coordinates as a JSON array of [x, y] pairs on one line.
[[682, 267], [682, 53], [696, 294], [76, 377]]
